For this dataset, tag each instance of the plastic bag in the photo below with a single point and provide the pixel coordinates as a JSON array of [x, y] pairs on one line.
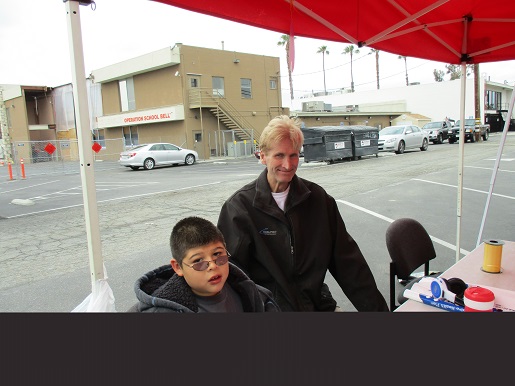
[[100, 300]]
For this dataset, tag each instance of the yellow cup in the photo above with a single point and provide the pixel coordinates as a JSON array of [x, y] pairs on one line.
[[492, 256]]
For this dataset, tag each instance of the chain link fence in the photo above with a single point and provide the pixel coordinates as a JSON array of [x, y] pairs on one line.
[[62, 156], [59, 156], [225, 143]]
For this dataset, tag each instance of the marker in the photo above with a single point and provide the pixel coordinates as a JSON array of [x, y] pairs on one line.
[[430, 301]]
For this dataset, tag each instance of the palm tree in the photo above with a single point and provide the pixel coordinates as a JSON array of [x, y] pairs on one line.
[[323, 50], [350, 50], [406, 68], [285, 41], [377, 65]]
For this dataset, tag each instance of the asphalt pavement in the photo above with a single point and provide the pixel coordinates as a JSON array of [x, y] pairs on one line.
[[44, 260]]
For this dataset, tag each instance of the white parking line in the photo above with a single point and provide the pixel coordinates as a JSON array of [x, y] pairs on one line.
[[78, 189], [28, 187], [469, 189], [482, 167], [390, 220], [114, 199]]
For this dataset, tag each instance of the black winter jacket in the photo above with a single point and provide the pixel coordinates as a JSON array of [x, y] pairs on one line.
[[162, 290], [290, 252]]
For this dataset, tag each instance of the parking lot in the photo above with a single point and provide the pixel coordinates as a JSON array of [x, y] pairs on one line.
[[44, 262]]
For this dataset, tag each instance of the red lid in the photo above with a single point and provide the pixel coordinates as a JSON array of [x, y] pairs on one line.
[[479, 294]]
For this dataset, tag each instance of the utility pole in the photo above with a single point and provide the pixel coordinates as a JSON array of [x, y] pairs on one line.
[[5, 128], [477, 93]]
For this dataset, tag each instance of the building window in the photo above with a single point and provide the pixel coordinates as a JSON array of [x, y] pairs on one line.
[[493, 100], [218, 86], [198, 137], [130, 136], [127, 97], [246, 88], [273, 83], [99, 136], [194, 82]]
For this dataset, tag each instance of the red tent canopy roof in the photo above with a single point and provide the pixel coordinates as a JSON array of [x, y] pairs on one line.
[[449, 31]]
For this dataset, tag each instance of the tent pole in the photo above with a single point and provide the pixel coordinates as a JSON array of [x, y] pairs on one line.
[[461, 154], [496, 166], [86, 159]]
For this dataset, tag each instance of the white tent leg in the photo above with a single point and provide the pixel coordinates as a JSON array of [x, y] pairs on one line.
[[461, 154], [496, 166], [86, 158]]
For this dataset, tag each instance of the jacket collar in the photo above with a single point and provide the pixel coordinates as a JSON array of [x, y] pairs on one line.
[[264, 200]]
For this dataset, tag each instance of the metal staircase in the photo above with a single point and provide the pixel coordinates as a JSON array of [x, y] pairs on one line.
[[222, 109]]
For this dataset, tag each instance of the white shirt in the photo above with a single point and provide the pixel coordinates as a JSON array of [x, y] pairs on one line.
[[280, 198]]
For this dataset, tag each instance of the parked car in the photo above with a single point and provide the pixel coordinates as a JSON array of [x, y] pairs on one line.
[[437, 131], [472, 129], [402, 137], [151, 155]]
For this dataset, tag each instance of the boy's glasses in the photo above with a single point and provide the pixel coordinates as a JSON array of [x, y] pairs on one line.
[[204, 264]]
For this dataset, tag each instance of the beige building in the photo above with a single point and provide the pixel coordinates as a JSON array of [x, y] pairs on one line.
[[213, 101], [28, 118]]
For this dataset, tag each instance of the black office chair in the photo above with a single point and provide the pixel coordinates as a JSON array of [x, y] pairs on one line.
[[410, 247]]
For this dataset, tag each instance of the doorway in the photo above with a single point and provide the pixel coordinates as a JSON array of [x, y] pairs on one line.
[[197, 144]]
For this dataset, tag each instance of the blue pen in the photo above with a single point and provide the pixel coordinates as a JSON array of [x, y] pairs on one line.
[[430, 301]]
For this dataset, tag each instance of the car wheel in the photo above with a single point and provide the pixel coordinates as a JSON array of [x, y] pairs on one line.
[[190, 159], [401, 148], [486, 135], [440, 139], [451, 141], [425, 145], [473, 138], [134, 167], [149, 164]]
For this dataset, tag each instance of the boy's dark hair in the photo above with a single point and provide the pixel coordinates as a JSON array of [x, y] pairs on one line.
[[192, 232]]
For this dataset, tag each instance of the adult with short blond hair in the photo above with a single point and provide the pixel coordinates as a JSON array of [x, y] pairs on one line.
[[287, 232]]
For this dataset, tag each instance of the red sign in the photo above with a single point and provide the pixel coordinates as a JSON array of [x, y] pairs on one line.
[[49, 148], [96, 147]]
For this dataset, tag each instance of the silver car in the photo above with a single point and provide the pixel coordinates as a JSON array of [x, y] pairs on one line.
[[402, 137], [151, 155]]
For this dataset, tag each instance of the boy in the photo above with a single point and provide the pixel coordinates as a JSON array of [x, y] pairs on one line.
[[195, 280]]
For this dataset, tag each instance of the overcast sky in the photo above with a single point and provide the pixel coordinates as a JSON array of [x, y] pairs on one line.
[[34, 46]]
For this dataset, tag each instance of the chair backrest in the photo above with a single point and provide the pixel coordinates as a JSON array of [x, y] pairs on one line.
[[410, 247]]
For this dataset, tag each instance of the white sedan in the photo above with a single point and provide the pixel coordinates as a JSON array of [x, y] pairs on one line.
[[151, 155], [402, 137]]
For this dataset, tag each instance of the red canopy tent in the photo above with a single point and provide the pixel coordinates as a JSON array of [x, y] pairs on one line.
[[450, 31]]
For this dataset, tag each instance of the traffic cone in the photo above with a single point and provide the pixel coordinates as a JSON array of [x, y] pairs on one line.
[[22, 168]]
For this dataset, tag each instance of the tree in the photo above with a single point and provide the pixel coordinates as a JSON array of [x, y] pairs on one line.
[[376, 52], [350, 50], [438, 74], [285, 41], [323, 50], [455, 70], [406, 67]]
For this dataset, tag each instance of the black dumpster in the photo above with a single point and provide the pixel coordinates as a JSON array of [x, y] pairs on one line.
[[364, 141], [314, 146], [327, 143]]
